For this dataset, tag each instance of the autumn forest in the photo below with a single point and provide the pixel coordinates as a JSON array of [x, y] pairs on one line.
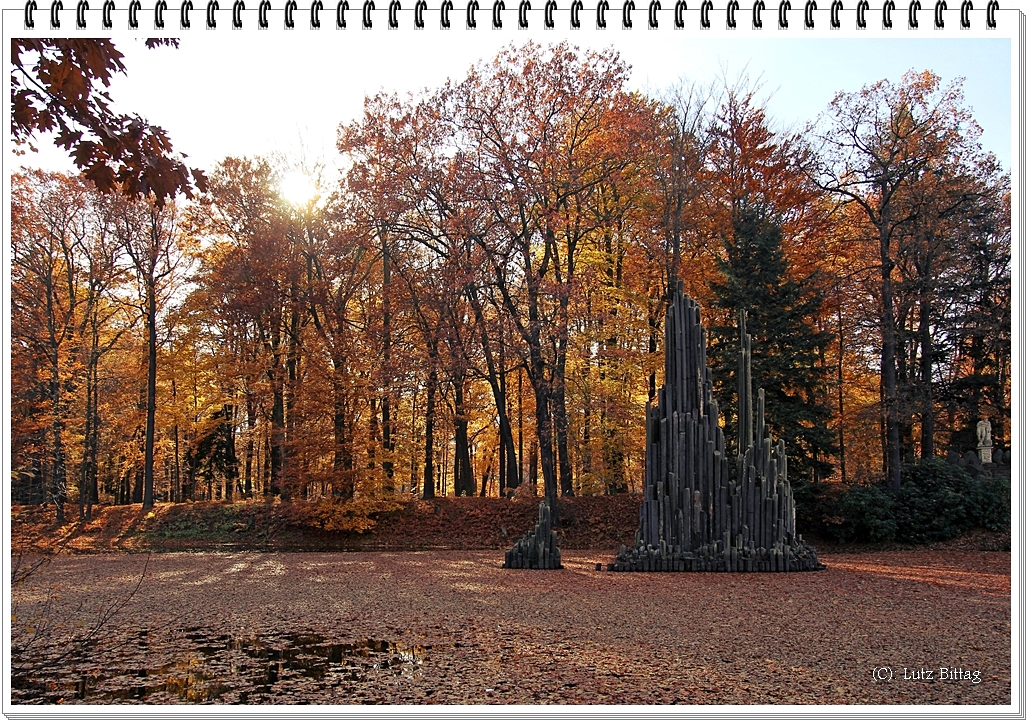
[[469, 298]]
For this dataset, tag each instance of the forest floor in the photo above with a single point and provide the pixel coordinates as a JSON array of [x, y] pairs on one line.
[[427, 627], [587, 522], [271, 604]]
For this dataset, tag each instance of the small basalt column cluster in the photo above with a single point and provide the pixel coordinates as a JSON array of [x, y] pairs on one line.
[[694, 517], [537, 549]]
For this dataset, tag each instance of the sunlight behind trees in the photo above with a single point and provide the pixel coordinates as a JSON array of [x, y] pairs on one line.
[[298, 188], [475, 306]]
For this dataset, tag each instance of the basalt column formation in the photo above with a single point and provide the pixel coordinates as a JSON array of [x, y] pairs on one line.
[[694, 516], [537, 549]]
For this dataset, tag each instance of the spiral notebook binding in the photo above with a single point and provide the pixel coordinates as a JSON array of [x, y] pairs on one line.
[[471, 9]]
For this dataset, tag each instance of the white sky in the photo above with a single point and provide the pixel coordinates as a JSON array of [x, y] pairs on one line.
[[247, 93]]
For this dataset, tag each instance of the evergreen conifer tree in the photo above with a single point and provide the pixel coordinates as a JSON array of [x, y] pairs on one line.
[[787, 347]]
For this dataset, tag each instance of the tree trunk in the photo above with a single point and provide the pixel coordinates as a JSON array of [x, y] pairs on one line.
[[497, 382], [544, 436], [560, 425], [521, 431], [58, 473], [927, 410], [533, 466], [387, 342], [428, 485], [229, 412], [463, 478], [290, 394], [653, 322], [587, 439], [374, 431], [278, 433], [558, 395], [842, 417], [151, 391], [387, 444], [890, 411], [342, 461], [251, 423], [87, 478]]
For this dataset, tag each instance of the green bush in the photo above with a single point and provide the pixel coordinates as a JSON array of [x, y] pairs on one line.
[[814, 501], [862, 513], [931, 502], [936, 501], [988, 503]]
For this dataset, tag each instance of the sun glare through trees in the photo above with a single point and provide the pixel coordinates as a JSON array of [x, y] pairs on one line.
[[662, 322], [298, 188], [477, 302]]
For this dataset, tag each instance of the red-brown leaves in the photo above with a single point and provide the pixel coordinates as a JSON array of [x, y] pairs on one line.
[[55, 87]]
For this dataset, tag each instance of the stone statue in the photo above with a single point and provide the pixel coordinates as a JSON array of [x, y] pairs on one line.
[[984, 433], [985, 441]]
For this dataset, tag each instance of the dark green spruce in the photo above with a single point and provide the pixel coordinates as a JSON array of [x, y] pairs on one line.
[[788, 349]]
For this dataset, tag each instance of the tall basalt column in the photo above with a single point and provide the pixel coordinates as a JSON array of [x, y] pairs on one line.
[[693, 517]]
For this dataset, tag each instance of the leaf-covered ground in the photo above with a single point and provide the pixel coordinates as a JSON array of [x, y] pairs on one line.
[[590, 522], [452, 626]]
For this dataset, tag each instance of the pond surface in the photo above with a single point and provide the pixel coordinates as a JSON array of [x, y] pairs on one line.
[[203, 666]]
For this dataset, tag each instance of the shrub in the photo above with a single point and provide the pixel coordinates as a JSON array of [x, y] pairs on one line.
[[932, 502], [937, 501], [814, 502], [862, 513], [988, 504]]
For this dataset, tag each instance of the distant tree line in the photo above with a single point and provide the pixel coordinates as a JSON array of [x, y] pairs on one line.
[[477, 302]]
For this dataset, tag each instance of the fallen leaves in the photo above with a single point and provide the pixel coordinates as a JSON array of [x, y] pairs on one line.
[[590, 522], [493, 636]]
